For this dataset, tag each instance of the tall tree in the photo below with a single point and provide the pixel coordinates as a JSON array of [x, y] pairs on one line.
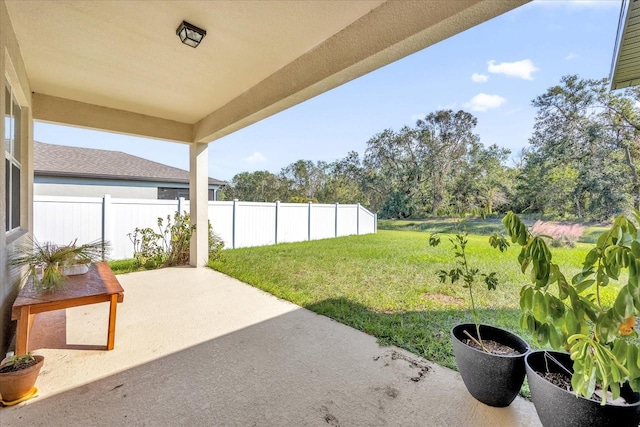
[[482, 181], [259, 186], [395, 170], [623, 118], [345, 182], [583, 130], [305, 179], [445, 138]]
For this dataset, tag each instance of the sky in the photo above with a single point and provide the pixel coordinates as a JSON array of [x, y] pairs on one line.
[[493, 70]]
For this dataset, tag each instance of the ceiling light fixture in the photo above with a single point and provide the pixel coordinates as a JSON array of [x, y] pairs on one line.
[[190, 34]]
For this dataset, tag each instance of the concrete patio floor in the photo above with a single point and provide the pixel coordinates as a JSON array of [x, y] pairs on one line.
[[196, 347]]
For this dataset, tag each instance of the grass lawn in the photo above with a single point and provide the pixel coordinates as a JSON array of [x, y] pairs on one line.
[[385, 284], [123, 266], [473, 225]]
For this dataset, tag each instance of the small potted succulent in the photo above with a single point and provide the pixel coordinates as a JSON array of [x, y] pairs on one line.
[[18, 376], [490, 359], [599, 357], [48, 264]]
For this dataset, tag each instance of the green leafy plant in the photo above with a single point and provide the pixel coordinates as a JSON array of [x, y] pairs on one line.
[[467, 274], [572, 316], [18, 362], [45, 262], [169, 245]]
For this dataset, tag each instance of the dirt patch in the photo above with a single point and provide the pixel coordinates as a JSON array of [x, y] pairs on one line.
[[329, 418], [493, 347], [416, 364], [391, 392], [442, 298]]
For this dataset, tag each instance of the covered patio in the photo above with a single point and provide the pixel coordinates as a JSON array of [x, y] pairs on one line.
[[193, 345], [121, 67], [196, 347]]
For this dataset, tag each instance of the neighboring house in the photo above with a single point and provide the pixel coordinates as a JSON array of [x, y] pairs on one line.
[[61, 170]]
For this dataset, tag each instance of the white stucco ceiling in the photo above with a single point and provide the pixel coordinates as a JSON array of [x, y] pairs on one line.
[[258, 57]]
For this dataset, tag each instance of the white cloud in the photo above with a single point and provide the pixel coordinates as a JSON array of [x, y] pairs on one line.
[[520, 69], [256, 157], [483, 102], [479, 78], [571, 56]]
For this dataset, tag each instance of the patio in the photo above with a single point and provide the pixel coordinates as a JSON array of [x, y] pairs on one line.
[[196, 347]]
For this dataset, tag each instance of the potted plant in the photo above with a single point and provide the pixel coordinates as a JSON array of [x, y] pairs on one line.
[[490, 359], [48, 264], [18, 376], [602, 366]]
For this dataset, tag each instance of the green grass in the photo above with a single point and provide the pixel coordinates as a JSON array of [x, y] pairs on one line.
[[385, 284], [474, 225], [123, 266]]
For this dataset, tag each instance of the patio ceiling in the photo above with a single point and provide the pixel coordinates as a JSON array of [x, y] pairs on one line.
[[119, 66]]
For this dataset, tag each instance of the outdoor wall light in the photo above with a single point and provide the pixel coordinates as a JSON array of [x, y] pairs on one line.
[[190, 34]]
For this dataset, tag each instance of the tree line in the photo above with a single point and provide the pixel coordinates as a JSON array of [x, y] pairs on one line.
[[581, 163]]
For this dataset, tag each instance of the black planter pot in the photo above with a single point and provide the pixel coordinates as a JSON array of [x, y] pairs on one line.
[[559, 407], [492, 379]]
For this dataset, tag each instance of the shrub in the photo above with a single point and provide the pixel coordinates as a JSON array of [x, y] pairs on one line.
[[170, 245], [559, 234]]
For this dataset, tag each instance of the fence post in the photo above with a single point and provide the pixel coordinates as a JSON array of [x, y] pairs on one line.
[[358, 219], [106, 223], [277, 209], [180, 205], [336, 219], [309, 221], [233, 225], [375, 223]]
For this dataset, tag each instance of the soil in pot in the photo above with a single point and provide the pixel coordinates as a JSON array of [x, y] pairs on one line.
[[557, 405], [492, 347], [18, 366], [15, 384], [563, 380], [493, 379]]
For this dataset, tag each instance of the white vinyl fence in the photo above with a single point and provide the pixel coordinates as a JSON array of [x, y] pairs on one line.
[[240, 224]]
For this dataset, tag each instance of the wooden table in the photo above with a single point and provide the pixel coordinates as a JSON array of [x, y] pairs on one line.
[[99, 284]]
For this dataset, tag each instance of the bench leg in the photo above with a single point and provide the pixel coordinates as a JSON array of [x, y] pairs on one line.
[[111, 335], [22, 333]]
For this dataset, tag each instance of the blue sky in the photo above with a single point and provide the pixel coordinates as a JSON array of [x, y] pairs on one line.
[[493, 70]]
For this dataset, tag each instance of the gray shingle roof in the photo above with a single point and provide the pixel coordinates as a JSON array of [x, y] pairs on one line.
[[61, 160]]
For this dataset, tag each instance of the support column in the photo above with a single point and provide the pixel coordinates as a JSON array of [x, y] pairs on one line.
[[198, 195]]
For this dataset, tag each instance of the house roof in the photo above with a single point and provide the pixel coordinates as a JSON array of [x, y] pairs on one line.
[[61, 160], [119, 65], [625, 68]]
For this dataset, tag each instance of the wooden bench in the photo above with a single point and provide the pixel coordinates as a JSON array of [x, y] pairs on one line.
[[99, 284]]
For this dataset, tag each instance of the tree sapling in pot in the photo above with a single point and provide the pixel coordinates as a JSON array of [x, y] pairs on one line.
[[490, 360]]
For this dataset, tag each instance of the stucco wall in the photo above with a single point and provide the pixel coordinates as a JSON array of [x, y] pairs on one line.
[[12, 69]]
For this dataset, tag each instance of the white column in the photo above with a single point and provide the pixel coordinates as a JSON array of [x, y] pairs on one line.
[[198, 195]]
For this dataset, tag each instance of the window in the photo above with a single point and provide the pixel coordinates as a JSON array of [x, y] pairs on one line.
[[165, 193], [12, 139]]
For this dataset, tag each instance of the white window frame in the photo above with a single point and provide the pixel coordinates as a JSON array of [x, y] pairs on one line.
[[12, 155]]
